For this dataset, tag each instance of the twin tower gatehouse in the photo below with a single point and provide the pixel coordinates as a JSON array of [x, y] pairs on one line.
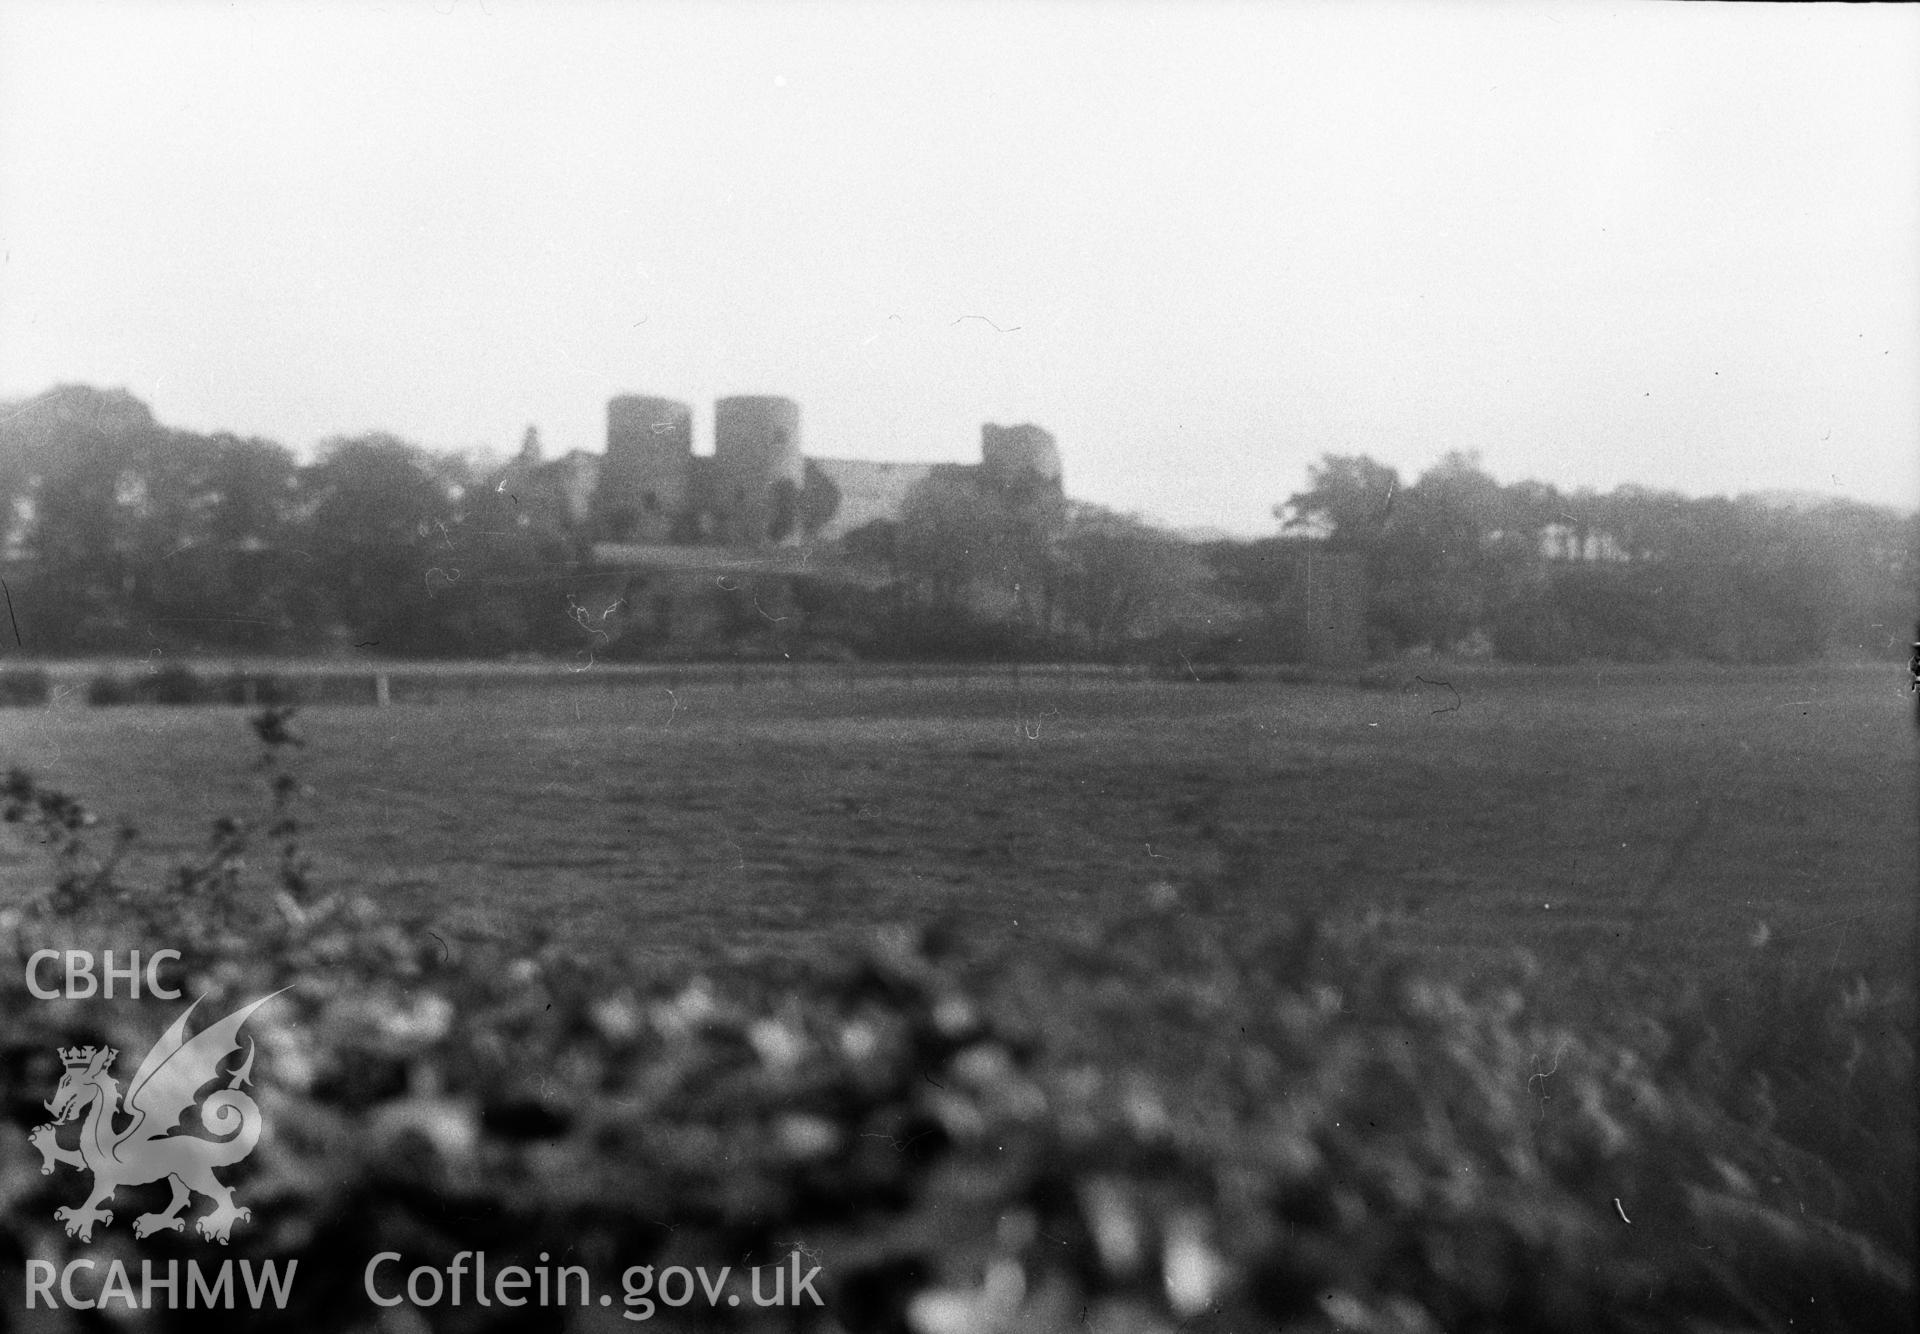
[[683, 542], [759, 488]]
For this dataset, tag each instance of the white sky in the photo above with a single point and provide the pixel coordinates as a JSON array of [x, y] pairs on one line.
[[1662, 243]]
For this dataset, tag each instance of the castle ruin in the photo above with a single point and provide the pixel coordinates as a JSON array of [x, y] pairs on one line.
[[682, 541], [758, 489]]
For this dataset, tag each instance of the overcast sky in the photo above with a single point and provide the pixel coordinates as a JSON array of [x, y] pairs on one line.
[[1201, 243]]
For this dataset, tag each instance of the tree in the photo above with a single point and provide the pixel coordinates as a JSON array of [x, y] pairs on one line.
[[961, 545], [140, 534], [1458, 512], [1265, 582], [1434, 562], [214, 531], [79, 461], [819, 499], [1120, 577], [1349, 499], [377, 524], [973, 564]]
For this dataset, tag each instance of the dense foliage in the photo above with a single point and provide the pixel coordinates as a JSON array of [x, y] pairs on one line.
[[118, 534], [1224, 1108], [1538, 575]]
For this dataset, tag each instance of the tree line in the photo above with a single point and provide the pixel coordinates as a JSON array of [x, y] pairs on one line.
[[121, 535], [125, 535], [1535, 574]]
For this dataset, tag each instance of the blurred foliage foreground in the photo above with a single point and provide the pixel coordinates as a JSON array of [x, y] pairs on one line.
[[1195, 1117]]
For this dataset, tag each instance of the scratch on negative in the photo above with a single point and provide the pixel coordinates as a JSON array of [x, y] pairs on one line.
[[1546, 1074], [1451, 708], [1838, 921], [10, 616]]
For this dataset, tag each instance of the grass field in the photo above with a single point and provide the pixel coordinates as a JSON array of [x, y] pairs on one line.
[[1587, 814], [1690, 1111]]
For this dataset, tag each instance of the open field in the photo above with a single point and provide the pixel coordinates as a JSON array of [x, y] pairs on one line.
[[1550, 809], [1691, 1111]]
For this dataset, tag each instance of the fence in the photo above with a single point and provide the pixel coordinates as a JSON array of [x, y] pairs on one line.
[[256, 683]]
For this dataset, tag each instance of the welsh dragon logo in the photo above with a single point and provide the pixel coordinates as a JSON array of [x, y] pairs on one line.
[[144, 1147]]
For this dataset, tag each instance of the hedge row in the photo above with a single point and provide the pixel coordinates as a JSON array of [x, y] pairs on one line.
[[175, 683], [1184, 1119], [179, 684], [24, 688]]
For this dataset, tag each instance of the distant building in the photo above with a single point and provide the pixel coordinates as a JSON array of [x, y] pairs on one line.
[[681, 532], [757, 490], [1569, 542]]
